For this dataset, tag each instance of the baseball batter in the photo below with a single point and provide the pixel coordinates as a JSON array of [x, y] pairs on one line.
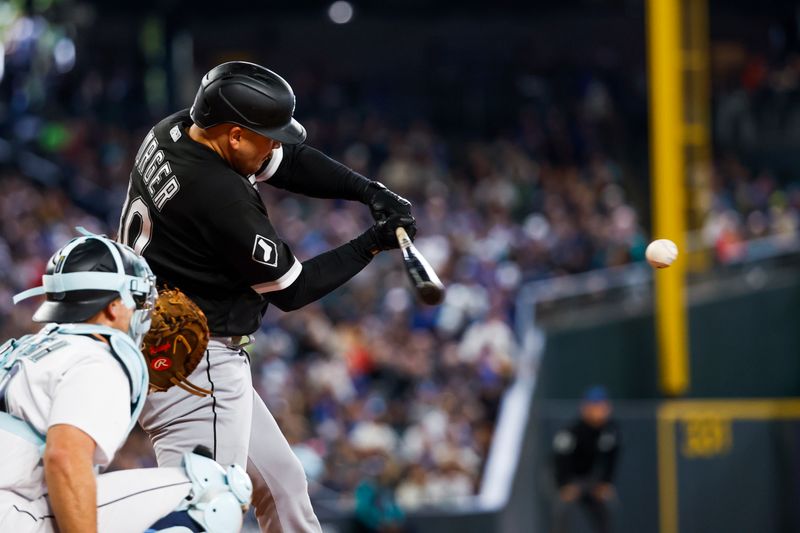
[[69, 396], [194, 211]]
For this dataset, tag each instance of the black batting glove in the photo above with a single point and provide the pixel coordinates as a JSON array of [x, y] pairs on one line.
[[383, 203], [382, 236]]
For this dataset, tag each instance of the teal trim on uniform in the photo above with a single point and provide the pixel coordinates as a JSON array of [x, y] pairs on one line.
[[21, 429]]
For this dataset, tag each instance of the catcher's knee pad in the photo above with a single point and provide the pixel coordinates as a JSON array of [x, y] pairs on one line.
[[219, 497]]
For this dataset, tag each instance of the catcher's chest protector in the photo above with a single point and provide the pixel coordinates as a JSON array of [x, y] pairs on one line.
[[53, 337]]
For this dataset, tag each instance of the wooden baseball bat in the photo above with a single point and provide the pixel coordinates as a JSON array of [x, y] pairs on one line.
[[426, 283]]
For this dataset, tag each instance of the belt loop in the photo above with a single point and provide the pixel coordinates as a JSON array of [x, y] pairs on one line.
[[234, 342], [244, 340]]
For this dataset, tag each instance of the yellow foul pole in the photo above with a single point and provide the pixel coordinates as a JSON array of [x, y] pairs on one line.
[[668, 191]]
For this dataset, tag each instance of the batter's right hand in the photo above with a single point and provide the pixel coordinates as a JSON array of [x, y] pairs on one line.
[[384, 230]]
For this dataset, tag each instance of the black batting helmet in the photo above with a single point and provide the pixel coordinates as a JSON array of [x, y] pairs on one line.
[[250, 96]]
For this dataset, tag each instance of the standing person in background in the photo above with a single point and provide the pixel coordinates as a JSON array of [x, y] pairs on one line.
[[585, 456], [377, 510], [194, 211]]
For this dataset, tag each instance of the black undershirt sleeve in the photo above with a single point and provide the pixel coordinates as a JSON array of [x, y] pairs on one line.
[[324, 273], [307, 171]]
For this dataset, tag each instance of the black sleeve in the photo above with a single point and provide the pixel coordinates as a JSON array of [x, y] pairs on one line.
[[324, 273], [266, 263], [608, 457], [252, 247], [307, 171], [564, 444]]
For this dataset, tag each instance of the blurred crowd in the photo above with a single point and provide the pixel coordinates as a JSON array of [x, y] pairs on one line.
[[374, 391], [753, 214], [368, 384], [756, 119]]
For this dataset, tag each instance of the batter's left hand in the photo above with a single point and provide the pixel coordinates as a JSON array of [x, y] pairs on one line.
[[384, 203]]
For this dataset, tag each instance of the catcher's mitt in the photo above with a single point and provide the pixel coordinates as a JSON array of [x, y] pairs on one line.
[[176, 342]]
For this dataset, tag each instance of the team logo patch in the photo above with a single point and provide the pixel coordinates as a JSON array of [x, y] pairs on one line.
[[265, 251], [161, 363], [175, 133]]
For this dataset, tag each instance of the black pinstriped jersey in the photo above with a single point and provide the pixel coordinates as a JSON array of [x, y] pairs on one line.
[[203, 228]]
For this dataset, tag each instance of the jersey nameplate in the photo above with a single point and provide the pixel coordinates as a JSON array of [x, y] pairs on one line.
[[265, 251], [156, 172]]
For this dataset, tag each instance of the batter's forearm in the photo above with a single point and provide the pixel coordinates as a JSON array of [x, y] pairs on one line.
[[326, 272], [307, 171], [72, 491]]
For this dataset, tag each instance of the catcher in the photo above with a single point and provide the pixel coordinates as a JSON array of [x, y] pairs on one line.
[[70, 394]]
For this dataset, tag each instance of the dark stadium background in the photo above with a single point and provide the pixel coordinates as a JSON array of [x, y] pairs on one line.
[[520, 130]]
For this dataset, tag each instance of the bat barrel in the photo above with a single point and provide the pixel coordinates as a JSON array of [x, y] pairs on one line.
[[426, 283]]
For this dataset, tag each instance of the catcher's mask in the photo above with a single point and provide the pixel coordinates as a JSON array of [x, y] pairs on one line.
[[86, 275]]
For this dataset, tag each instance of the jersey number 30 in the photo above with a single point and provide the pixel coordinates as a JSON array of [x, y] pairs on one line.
[[137, 236]]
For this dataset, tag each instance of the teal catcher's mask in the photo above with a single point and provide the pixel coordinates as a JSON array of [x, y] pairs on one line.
[[89, 272]]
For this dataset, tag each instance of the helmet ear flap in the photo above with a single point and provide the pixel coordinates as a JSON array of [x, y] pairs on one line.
[[201, 110]]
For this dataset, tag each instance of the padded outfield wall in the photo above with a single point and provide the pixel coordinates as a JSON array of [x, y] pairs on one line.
[[744, 340], [726, 458]]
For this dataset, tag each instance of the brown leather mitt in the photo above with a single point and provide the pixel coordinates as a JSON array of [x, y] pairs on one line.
[[176, 342]]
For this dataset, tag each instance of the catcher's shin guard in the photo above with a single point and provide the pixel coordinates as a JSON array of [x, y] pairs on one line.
[[219, 497]]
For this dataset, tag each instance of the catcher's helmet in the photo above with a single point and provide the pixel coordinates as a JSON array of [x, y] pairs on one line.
[[250, 96], [86, 275]]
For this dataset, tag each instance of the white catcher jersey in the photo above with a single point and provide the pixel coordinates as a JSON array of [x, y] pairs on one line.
[[80, 384]]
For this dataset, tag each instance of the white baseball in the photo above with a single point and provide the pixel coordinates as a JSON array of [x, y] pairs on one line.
[[661, 253]]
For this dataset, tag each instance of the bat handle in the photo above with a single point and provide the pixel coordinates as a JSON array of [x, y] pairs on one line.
[[402, 238]]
